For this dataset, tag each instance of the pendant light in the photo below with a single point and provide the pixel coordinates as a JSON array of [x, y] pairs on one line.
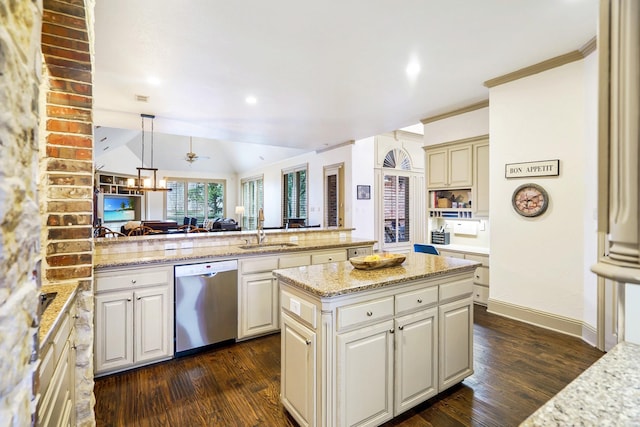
[[145, 183]]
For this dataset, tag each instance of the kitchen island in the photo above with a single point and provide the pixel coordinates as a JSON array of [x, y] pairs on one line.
[[359, 347]]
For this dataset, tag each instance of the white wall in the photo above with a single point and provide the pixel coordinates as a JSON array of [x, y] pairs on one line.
[[362, 213], [539, 263], [315, 178], [461, 126]]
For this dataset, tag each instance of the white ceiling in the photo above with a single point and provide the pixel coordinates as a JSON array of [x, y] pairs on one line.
[[323, 72]]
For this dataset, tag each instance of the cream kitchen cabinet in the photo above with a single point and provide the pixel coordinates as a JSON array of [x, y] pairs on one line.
[[480, 192], [480, 276], [449, 167], [56, 406], [298, 354], [456, 341], [363, 358], [258, 297], [258, 306], [134, 318]]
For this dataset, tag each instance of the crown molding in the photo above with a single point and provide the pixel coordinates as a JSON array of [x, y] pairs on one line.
[[479, 138], [342, 144], [549, 64], [467, 109]]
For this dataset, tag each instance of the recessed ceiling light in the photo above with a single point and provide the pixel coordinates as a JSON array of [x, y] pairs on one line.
[[413, 69], [251, 100]]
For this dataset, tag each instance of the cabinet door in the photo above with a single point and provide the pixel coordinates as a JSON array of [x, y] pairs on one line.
[[258, 305], [365, 375], [437, 173], [113, 331], [152, 334], [460, 166], [456, 342], [416, 373], [298, 376], [481, 179]]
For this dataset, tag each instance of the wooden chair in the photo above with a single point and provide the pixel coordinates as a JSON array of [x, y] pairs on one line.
[[102, 231], [186, 228], [142, 230], [198, 230]]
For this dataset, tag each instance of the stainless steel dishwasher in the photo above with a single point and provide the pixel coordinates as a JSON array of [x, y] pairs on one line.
[[206, 304]]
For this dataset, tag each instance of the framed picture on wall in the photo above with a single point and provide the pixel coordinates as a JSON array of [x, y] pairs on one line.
[[363, 192]]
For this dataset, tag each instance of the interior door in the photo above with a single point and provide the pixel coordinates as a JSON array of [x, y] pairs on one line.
[[334, 195]]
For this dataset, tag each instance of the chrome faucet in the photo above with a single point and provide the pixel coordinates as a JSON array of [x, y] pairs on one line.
[[260, 229]]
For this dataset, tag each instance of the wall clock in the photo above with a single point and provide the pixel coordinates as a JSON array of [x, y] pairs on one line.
[[530, 200]]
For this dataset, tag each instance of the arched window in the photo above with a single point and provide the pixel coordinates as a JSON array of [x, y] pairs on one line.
[[396, 203]]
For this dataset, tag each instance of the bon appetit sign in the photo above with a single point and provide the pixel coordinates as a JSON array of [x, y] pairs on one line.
[[528, 169]]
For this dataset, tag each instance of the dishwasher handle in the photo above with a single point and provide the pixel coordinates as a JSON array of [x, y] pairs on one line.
[[209, 275]]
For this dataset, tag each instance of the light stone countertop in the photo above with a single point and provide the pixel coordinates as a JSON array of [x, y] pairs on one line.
[[51, 316], [464, 248], [333, 279], [606, 394], [221, 251]]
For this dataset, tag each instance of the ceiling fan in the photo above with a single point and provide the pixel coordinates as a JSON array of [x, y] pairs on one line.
[[191, 157]]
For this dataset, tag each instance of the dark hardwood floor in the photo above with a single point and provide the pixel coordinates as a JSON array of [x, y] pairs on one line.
[[518, 367]]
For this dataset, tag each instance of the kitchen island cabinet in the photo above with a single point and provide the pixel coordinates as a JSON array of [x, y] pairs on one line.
[[361, 347]]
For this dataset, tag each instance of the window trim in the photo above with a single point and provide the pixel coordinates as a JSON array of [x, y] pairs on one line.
[[246, 218], [201, 181], [283, 202]]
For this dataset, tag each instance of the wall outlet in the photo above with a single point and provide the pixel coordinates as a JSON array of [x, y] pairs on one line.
[[481, 227]]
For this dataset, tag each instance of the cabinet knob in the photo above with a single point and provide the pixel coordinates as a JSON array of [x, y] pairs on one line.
[[128, 299], [133, 281], [419, 300], [369, 313], [477, 277], [139, 298], [75, 316], [330, 259], [391, 331], [401, 327], [308, 342]]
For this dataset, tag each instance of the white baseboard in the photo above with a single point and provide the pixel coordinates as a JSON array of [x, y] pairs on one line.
[[565, 325]]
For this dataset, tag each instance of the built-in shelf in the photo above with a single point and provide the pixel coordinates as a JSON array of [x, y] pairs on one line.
[[109, 183]]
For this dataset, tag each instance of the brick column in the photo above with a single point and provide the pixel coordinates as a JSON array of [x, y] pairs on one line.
[[66, 167]]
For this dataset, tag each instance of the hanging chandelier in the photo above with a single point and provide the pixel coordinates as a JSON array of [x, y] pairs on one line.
[[145, 182]]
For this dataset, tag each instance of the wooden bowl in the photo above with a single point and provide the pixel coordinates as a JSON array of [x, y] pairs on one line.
[[385, 260]]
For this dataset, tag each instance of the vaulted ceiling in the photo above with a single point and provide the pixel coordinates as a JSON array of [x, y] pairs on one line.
[[249, 78]]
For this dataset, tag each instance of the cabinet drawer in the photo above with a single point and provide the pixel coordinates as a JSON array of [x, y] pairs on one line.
[[481, 276], [480, 294], [455, 290], [325, 257], [366, 312], [299, 309], [134, 279], [480, 258], [421, 298], [297, 260], [258, 265], [353, 252]]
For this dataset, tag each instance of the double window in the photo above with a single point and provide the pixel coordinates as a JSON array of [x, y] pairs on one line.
[[252, 200], [294, 196], [202, 199]]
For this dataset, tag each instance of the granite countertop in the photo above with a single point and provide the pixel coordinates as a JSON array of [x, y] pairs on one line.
[[606, 394], [333, 279], [192, 253], [51, 316]]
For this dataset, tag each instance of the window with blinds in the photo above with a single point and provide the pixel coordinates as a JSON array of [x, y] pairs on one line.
[[294, 197], [252, 200], [396, 208], [202, 199]]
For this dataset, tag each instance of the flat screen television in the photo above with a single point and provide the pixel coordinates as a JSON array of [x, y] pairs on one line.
[[120, 208]]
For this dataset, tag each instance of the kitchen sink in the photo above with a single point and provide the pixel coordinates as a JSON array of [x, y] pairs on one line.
[[45, 300], [268, 245]]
